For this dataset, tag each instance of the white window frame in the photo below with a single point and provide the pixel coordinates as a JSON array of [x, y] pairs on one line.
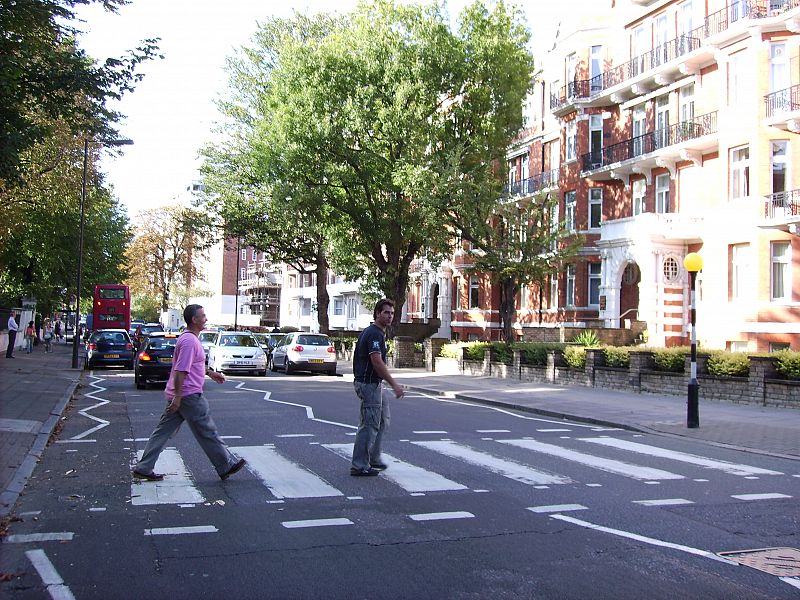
[[338, 307], [242, 274], [594, 279], [595, 68], [474, 296], [739, 169], [570, 202], [571, 132], [740, 267], [779, 162], [780, 268], [255, 254], [554, 290], [737, 79], [662, 193], [596, 137], [595, 216], [570, 299], [244, 254], [638, 192]]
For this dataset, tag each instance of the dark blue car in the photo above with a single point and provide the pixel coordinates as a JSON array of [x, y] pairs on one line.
[[108, 347]]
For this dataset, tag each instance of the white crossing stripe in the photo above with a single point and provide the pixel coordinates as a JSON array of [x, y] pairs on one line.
[[176, 488], [440, 516], [495, 464], [24, 538], [409, 477], [663, 502], [709, 463], [295, 435], [181, 530], [50, 577], [492, 431], [760, 496], [316, 523], [552, 430], [284, 478], [604, 464], [556, 508], [428, 432]]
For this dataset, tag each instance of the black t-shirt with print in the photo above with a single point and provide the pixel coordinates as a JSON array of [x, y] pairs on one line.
[[372, 339]]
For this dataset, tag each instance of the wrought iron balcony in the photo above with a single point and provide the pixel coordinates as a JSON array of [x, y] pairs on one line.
[[783, 101], [650, 142], [532, 185], [782, 205]]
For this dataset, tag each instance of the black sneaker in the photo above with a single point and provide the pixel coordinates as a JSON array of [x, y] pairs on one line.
[[365, 473], [379, 466], [234, 469], [148, 476]]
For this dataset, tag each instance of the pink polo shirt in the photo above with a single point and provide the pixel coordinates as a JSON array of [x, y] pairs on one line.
[[189, 358]]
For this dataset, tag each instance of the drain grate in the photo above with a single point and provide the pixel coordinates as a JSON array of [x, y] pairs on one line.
[[784, 562]]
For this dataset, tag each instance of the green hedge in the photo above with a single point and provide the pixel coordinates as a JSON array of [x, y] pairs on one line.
[[787, 363], [535, 353], [575, 356], [617, 356], [728, 364], [344, 343], [452, 350], [670, 359]]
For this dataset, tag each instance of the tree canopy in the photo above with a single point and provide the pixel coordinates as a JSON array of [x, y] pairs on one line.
[[380, 121]]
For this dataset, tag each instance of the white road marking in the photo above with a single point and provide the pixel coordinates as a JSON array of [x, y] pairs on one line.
[[459, 514], [70, 441], [176, 488], [97, 509], [495, 464], [702, 461], [26, 538], [316, 523], [792, 581], [308, 409], [556, 508], [492, 431], [760, 496], [295, 435], [604, 464], [230, 437], [427, 432], [85, 412], [284, 478], [552, 430], [663, 502], [50, 577], [181, 530], [641, 538], [409, 477], [30, 513]]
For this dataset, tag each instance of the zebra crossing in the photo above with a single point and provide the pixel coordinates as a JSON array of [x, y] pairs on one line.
[[441, 468]]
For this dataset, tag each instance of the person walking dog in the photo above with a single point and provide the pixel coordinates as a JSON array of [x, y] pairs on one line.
[[185, 402], [369, 372]]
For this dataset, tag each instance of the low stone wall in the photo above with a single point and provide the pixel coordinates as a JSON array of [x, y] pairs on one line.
[[760, 387]]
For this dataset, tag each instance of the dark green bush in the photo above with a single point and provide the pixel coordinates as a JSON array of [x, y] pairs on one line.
[[502, 353], [728, 364], [669, 359], [475, 350], [344, 343], [535, 353], [617, 356], [787, 363], [575, 356]]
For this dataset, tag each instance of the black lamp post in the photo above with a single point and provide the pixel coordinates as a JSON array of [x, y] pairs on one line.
[[80, 241], [693, 263]]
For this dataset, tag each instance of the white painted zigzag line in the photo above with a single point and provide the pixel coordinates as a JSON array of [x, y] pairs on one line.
[[101, 402], [309, 410]]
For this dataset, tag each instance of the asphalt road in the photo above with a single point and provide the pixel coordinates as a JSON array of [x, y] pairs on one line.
[[478, 503]]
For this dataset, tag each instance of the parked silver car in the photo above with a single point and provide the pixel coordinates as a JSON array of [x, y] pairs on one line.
[[208, 338], [301, 351], [237, 351]]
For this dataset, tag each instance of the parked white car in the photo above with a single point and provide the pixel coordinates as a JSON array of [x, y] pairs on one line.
[[301, 351], [237, 351]]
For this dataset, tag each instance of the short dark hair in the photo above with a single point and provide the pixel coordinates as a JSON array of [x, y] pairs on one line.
[[189, 312], [379, 306]]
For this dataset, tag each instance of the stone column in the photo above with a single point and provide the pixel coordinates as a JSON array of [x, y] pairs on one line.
[[403, 351], [761, 368], [641, 360], [594, 358], [432, 347]]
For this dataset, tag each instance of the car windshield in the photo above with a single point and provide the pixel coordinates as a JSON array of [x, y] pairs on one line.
[[238, 340], [151, 328], [313, 340], [109, 337], [208, 336], [162, 343]]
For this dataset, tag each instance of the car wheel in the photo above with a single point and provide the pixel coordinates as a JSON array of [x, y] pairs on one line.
[[272, 366], [262, 373], [287, 367]]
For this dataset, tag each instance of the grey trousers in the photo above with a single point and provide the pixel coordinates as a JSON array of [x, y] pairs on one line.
[[372, 424], [194, 410]]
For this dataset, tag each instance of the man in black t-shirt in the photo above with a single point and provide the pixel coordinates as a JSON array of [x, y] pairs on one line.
[[369, 371]]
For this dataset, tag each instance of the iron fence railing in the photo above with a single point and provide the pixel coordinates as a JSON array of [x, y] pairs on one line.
[[533, 184], [783, 101], [782, 204], [650, 142]]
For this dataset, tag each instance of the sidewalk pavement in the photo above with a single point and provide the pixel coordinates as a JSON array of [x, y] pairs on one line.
[[35, 389]]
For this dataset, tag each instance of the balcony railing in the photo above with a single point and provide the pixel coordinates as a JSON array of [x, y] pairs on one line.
[[713, 24], [782, 204], [531, 185], [650, 142], [783, 101]]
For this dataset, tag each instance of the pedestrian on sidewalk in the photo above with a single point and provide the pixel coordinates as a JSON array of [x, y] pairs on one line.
[[30, 333], [185, 402], [12, 334], [58, 329], [369, 372], [47, 335]]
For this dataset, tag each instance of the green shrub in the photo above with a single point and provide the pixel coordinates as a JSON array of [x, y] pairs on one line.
[[535, 353], [728, 364], [669, 359], [575, 356], [787, 363], [451, 350], [344, 343], [475, 350], [587, 338], [617, 356], [502, 352]]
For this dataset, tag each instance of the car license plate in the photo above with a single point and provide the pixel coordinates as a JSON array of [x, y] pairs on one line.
[[112, 356], [316, 361], [167, 360], [243, 363]]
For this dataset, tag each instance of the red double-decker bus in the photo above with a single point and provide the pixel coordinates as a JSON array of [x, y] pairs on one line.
[[111, 308]]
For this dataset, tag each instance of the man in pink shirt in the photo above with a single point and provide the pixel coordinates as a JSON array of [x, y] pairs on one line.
[[186, 402]]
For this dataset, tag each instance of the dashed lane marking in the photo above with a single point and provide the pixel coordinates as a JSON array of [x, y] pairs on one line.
[[181, 530], [316, 523], [441, 516], [556, 508], [27, 538]]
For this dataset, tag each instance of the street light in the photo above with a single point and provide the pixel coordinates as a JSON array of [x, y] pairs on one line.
[[693, 263], [122, 142]]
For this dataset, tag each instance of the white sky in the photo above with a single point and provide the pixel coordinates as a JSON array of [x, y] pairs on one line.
[[171, 113]]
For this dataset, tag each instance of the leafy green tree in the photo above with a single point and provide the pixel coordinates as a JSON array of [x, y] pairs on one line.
[[145, 307], [380, 121], [517, 243], [47, 81]]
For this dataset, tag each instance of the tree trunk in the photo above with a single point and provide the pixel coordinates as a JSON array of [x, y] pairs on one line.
[[508, 295], [323, 299]]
